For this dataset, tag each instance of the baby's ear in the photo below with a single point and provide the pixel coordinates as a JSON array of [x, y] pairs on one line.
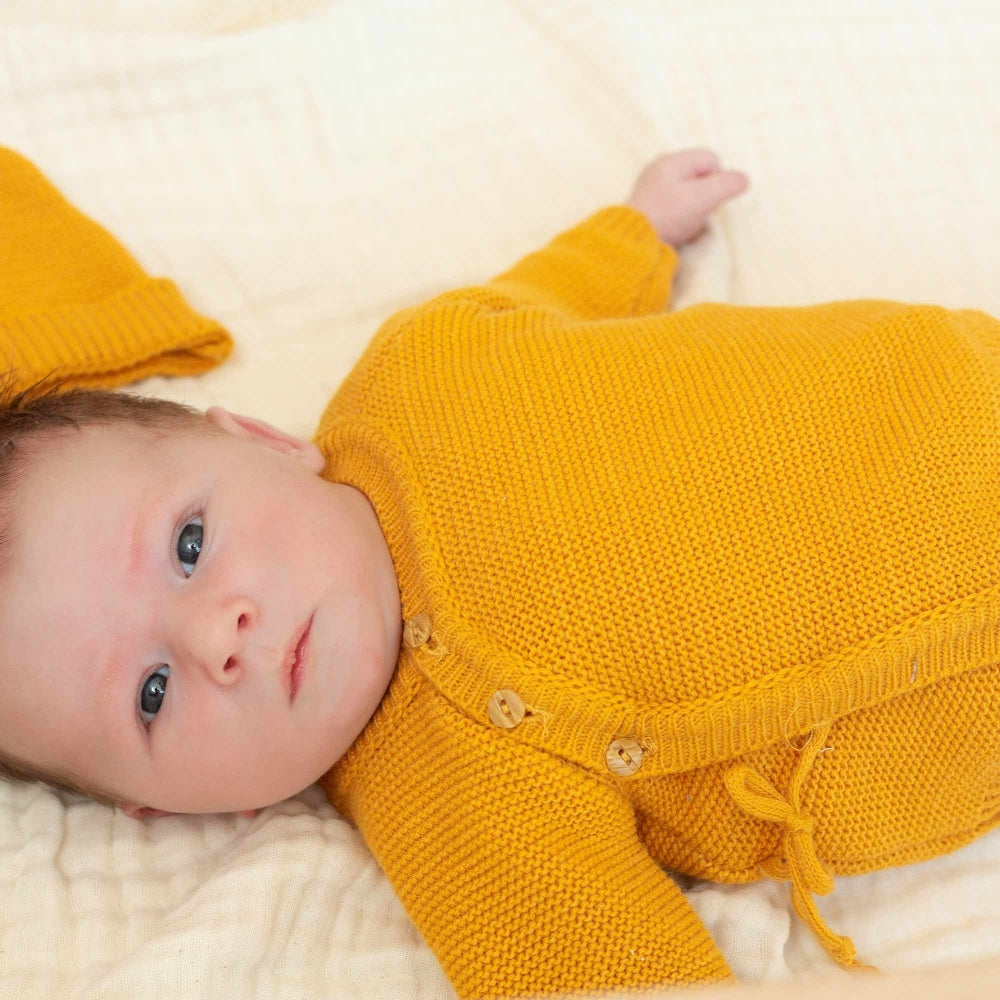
[[258, 430]]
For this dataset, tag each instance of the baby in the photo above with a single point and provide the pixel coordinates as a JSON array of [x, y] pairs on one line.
[[568, 590]]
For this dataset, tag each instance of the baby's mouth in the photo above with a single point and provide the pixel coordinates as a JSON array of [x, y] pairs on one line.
[[296, 658]]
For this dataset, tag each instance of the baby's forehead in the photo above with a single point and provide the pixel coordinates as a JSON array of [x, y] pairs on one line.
[[72, 462], [119, 455], [109, 438], [62, 448], [87, 486]]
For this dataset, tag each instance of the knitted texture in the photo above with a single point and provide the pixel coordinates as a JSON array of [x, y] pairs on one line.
[[714, 591], [75, 307]]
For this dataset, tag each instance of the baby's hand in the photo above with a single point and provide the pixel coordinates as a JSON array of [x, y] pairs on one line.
[[678, 191]]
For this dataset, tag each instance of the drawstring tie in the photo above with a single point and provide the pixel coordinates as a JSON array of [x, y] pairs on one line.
[[755, 795]]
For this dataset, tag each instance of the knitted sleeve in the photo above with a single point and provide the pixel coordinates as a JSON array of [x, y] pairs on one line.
[[609, 266], [525, 874]]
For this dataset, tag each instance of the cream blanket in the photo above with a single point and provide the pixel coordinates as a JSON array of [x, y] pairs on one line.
[[304, 168]]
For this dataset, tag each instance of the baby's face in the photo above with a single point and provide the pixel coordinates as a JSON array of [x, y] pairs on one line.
[[158, 585]]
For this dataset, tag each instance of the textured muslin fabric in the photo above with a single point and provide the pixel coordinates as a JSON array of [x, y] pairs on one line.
[[713, 591]]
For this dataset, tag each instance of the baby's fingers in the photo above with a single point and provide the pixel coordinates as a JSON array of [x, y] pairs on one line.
[[711, 190], [691, 163]]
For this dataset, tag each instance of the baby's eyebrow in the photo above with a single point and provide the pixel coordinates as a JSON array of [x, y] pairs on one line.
[[109, 706], [144, 511]]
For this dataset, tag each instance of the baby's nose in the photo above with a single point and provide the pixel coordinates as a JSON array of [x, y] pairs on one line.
[[218, 637]]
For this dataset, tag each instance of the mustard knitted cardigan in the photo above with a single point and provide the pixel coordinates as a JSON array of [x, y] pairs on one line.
[[716, 591], [75, 307]]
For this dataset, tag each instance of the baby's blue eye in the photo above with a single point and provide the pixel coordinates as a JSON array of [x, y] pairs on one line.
[[189, 545], [152, 692]]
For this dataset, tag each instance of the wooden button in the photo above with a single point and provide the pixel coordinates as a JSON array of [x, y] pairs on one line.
[[505, 708], [624, 756], [417, 630]]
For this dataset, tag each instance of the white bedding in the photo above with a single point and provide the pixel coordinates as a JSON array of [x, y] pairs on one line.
[[304, 168]]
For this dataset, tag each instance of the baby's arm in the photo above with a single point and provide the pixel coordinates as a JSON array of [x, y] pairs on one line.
[[621, 261], [524, 872]]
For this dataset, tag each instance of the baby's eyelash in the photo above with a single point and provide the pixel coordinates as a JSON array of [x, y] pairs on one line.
[[161, 668], [194, 513]]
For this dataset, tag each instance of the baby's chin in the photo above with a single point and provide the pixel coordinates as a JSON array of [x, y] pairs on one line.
[[229, 797]]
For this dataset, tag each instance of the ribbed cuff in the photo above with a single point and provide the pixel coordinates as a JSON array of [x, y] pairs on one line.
[[145, 329]]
